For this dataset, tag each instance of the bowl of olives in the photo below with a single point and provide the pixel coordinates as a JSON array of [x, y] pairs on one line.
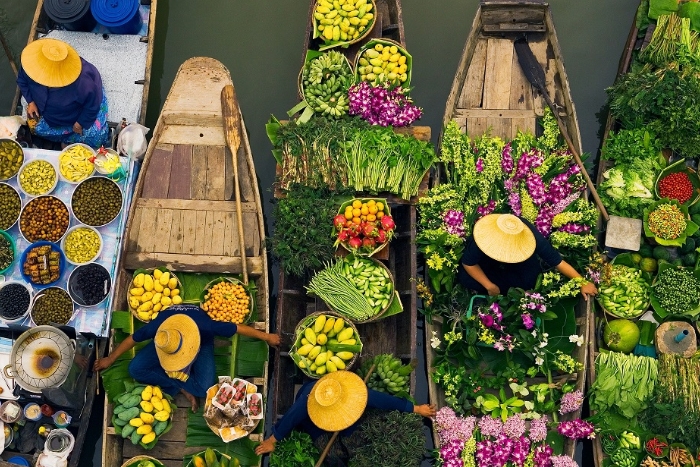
[[15, 299], [52, 305], [10, 206], [96, 201], [11, 158]]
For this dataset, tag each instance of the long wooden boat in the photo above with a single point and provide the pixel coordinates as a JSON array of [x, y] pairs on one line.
[[183, 217], [491, 93], [40, 26], [396, 334]]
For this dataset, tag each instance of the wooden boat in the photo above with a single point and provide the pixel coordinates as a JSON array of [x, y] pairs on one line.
[[491, 93], [41, 25], [183, 217], [395, 334]]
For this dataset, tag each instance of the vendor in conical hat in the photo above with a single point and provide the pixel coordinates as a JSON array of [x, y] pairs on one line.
[[335, 403], [506, 251], [180, 354], [64, 94]]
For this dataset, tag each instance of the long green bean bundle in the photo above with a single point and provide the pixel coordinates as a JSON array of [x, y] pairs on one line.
[[341, 295]]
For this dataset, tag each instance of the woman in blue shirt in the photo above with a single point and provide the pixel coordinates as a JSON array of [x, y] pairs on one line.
[[64, 92]]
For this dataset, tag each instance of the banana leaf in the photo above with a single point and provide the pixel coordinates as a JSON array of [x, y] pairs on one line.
[[662, 7], [691, 10], [250, 357], [199, 434]]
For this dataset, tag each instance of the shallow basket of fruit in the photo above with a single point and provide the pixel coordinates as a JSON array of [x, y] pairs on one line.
[[668, 223], [325, 342], [228, 299], [142, 461], [624, 290], [76, 162], [364, 226], [341, 23], [11, 158], [324, 80], [679, 182], [152, 291], [211, 457], [143, 414], [383, 61], [675, 290]]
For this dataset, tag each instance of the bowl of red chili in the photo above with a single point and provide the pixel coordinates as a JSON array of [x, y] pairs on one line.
[[679, 182]]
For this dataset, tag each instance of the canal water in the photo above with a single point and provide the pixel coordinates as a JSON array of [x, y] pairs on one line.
[[261, 42]]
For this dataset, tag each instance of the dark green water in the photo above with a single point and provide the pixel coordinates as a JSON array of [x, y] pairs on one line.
[[260, 42]]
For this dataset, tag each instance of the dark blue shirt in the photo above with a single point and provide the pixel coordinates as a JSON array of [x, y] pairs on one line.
[[507, 275], [208, 328], [78, 102], [298, 415]]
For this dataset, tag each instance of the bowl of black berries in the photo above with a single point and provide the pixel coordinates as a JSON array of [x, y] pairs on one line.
[[15, 299], [89, 284]]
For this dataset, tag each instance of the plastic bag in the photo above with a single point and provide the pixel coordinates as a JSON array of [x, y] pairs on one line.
[[132, 141], [10, 125]]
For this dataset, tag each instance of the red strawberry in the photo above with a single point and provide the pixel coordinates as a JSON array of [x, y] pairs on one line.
[[354, 243], [381, 236], [339, 221], [388, 223], [369, 230]]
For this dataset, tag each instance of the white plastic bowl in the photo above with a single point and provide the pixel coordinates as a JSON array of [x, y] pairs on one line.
[[74, 228], [24, 166], [65, 150]]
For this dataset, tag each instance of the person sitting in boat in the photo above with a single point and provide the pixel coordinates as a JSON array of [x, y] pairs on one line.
[[180, 356], [335, 403], [506, 251], [64, 92]]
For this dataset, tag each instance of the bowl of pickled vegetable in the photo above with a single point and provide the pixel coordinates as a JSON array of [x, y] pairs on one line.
[[11, 158], [52, 305], [76, 162], [10, 206], [82, 244], [37, 177]]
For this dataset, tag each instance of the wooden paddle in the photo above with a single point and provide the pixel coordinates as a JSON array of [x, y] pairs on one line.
[[327, 449], [535, 75], [232, 125], [8, 52]]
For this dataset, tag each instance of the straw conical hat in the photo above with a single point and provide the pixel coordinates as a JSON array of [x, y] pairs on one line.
[[51, 62], [505, 238], [177, 342], [337, 400]]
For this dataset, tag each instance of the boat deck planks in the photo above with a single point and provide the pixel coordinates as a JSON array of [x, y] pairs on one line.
[[490, 93], [185, 220]]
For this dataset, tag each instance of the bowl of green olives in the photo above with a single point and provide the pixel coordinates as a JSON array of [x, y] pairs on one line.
[[52, 305], [96, 201], [11, 158]]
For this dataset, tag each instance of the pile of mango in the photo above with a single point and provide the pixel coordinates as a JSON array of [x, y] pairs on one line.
[[142, 414], [339, 21], [150, 294], [324, 344], [213, 458], [383, 63]]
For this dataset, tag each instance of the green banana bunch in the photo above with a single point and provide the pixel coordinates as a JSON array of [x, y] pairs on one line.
[[326, 80], [629, 440], [389, 376]]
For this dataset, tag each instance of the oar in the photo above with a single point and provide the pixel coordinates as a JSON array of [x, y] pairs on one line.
[[327, 449], [232, 124], [535, 75], [8, 52]]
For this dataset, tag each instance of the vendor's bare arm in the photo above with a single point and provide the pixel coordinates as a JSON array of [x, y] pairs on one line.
[[272, 339], [478, 275], [126, 344], [567, 270]]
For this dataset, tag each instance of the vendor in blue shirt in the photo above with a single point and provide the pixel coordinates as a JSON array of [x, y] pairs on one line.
[[335, 403], [64, 93], [506, 251], [180, 356]]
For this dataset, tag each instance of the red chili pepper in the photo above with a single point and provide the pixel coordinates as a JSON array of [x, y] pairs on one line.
[[655, 447]]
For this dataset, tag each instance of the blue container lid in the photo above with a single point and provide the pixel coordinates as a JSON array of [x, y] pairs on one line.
[[19, 460], [66, 11], [114, 13]]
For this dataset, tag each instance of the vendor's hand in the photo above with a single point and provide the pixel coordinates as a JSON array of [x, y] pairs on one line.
[[266, 446], [273, 340], [589, 290], [77, 128], [493, 290], [102, 364], [426, 410], [32, 110]]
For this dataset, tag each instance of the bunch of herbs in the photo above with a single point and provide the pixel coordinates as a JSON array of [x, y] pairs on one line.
[[302, 241], [296, 450]]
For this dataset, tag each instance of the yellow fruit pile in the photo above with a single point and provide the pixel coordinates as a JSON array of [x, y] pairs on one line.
[[152, 293], [370, 211], [142, 414], [227, 302], [383, 63], [342, 20], [325, 345]]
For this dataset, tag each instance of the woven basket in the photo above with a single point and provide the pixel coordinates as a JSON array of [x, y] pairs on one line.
[[147, 271], [211, 392], [219, 455], [306, 322], [388, 43], [330, 44], [132, 462], [312, 55], [232, 280], [341, 211]]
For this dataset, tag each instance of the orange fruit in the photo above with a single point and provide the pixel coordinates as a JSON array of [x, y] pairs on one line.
[[371, 218], [371, 202], [364, 210], [356, 220], [380, 206], [380, 214], [357, 204], [372, 209], [356, 212]]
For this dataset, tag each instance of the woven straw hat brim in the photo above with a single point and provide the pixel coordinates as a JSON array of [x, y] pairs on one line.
[[512, 245], [51, 62], [190, 343], [346, 410]]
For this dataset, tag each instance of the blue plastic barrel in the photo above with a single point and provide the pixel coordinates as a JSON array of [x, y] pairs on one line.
[[119, 16], [73, 15]]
